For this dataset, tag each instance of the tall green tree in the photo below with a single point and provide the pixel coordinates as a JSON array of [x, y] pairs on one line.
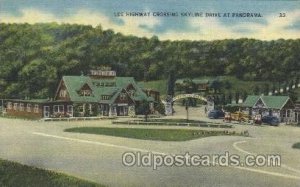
[[144, 108], [171, 83]]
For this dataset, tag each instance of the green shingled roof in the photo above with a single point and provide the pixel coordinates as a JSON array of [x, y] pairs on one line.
[[274, 102], [37, 101], [75, 83], [30, 100], [123, 82], [250, 101]]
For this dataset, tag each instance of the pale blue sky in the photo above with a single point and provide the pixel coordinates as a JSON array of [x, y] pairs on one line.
[[94, 12]]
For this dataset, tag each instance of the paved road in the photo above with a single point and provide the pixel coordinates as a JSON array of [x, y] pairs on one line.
[[98, 158]]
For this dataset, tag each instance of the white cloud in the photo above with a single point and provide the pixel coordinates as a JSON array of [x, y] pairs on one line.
[[212, 29], [28, 16], [204, 28], [131, 24], [277, 27]]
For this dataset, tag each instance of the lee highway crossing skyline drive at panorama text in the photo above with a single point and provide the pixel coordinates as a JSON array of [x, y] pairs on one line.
[[189, 14]]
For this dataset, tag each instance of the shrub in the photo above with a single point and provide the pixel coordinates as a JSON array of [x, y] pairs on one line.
[[160, 108], [296, 145]]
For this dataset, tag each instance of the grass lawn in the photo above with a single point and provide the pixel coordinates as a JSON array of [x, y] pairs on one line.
[[236, 85], [33, 118], [150, 134], [241, 85], [15, 174], [159, 85], [176, 120], [296, 145]]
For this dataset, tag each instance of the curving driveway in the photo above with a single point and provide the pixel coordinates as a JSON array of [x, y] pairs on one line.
[[98, 157]]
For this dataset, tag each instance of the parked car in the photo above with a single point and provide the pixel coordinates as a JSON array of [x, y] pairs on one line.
[[215, 114], [271, 120], [237, 116]]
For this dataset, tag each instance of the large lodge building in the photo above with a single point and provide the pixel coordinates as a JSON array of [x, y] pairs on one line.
[[101, 93]]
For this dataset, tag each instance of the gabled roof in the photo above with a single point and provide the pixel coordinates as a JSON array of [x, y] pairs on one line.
[[274, 102], [250, 101], [75, 83], [140, 94], [84, 85]]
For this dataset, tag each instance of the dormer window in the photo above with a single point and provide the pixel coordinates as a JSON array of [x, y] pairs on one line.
[[106, 97], [123, 96], [131, 92], [86, 92], [63, 93]]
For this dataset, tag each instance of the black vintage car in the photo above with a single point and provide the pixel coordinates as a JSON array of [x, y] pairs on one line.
[[216, 114], [271, 120]]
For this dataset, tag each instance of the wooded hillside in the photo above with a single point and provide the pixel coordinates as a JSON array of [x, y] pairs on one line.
[[34, 57]]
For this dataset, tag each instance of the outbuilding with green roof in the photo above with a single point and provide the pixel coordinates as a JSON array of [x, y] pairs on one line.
[[279, 106]]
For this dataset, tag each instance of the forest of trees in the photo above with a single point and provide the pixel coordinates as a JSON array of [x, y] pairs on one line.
[[33, 58]]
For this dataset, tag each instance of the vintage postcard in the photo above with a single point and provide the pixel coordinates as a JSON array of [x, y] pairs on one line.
[[149, 93]]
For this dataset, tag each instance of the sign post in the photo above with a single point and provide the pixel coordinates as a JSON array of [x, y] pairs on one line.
[[169, 105]]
